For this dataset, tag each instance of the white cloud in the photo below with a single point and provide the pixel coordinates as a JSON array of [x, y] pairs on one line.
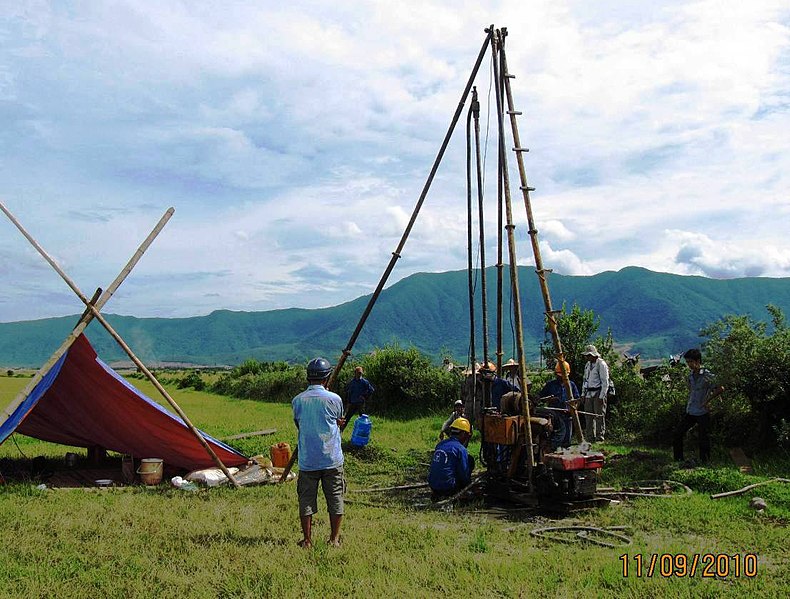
[[556, 230], [723, 260], [302, 133]]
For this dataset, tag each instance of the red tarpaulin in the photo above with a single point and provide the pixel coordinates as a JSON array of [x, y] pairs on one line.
[[89, 404]]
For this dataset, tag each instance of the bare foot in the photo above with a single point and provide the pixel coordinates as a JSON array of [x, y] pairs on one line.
[[333, 543], [304, 543]]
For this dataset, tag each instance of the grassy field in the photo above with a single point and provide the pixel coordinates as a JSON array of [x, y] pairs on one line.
[[162, 542]]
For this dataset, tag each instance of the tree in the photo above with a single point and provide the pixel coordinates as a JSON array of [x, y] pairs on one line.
[[753, 364], [576, 330]]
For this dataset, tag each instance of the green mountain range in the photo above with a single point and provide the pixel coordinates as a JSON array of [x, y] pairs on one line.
[[652, 313]]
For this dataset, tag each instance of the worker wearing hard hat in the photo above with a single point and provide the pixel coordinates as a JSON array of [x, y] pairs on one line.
[[498, 386], [458, 412], [452, 466], [554, 394]]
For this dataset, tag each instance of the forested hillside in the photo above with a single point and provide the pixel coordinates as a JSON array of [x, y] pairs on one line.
[[653, 313]]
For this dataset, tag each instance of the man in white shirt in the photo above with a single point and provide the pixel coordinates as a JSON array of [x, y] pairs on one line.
[[594, 390]]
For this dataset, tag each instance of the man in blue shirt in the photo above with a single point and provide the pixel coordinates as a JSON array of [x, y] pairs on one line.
[[358, 391], [318, 414], [498, 386], [556, 396], [452, 466], [702, 389]]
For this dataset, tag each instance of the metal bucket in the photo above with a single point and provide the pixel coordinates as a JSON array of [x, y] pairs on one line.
[[150, 470]]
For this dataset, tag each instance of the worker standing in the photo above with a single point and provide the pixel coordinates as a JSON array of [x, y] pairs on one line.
[[458, 412], [595, 387], [318, 414], [451, 465], [554, 393], [358, 391], [702, 389], [497, 385]]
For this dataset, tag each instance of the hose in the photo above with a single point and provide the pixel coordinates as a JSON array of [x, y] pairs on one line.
[[643, 483], [583, 534]]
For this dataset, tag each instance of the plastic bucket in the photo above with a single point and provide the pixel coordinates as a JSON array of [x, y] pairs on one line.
[[281, 454], [150, 470]]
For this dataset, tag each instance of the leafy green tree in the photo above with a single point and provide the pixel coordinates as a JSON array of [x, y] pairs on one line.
[[752, 361], [576, 330]]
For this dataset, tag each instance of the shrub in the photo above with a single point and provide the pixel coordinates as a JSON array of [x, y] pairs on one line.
[[263, 381], [407, 383], [194, 380]]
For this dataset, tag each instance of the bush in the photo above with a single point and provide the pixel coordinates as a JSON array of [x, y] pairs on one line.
[[277, 381], [407, 383], [647, 410], [193, 380]]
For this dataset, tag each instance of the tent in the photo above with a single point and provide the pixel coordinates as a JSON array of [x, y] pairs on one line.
[[83, 402]]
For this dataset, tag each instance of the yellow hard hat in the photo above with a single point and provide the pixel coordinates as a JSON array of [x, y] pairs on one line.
[[560, 365], [462, 424]]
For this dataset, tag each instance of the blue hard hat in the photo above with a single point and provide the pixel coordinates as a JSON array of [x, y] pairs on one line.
[[318, 369]]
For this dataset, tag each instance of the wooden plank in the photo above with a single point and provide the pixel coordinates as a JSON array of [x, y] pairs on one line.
[[267, 431]]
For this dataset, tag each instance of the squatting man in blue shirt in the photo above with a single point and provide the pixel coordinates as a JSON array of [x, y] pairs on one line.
[[318, 414], [452, 466], [702, 389]]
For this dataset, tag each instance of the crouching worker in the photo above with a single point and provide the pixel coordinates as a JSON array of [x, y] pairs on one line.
[[458, 412], [452, 466], [318, 414]]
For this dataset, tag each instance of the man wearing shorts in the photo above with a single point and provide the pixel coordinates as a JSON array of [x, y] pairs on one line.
[[318, 414]]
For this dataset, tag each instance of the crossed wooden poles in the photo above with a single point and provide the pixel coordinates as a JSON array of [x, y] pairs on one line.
[[93, 306]]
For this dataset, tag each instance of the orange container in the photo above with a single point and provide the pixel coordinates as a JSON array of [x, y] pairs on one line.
[[281, 454], [501, 429]]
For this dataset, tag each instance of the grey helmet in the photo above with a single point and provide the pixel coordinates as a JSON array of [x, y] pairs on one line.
[[318, 369]]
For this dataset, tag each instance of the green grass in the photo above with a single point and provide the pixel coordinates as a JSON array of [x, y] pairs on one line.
[[163, 542]]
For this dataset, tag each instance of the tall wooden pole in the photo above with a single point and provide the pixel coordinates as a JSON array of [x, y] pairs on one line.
[[511, 242], [551, 319]]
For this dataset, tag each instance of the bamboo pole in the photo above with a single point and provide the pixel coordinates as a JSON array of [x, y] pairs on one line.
[[87, 316], [397, 253], [533, 232], [149, 375], [511, 242]]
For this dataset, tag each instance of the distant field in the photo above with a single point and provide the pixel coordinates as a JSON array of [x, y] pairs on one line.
[[225, 543]]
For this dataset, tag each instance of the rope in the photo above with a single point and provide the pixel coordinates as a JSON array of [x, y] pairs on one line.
[[13, 438]]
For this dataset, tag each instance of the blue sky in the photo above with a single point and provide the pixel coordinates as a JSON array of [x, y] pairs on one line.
[[294, 141]]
